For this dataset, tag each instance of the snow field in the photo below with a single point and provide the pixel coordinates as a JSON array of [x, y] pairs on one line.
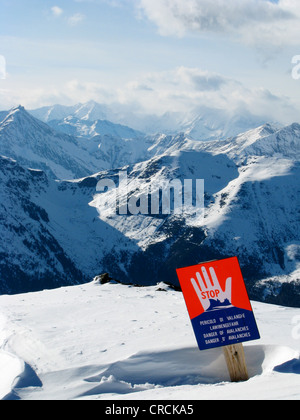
[[119, 342]]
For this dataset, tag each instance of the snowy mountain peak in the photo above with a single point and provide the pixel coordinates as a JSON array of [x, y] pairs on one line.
[[18, 108], [267, 140], [200, 124], [36, 145], [15, 113], [19, 121], [91, 111], [269, 128], [85, 128], [16, 122], [270, 140]]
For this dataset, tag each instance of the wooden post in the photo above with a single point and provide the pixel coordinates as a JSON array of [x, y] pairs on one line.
[[236, 362]]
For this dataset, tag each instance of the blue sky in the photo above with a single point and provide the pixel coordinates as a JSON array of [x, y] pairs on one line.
[[155, 55]]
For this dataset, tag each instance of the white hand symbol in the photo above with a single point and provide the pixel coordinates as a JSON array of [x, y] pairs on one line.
[[209, 288]]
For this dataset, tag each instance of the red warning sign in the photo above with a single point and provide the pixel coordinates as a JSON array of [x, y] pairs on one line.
[[218, 303]]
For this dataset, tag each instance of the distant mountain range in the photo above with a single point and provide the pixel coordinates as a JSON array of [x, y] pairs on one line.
[[56, 229], [202, 123], [37, 145]]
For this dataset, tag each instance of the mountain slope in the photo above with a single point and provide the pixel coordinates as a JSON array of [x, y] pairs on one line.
[[3, 114], [50, 235], [36, 145], [87, 129], [251, 210], [31, 257], [266, 141]]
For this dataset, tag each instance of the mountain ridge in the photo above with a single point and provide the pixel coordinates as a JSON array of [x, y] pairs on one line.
[[251, 208], [202, 123], [33, 142]]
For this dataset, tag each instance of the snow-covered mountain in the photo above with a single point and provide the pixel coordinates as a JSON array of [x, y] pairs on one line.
[[63, 156], [251, 210], [31, 257], [264, 141], [3, 114], [34, 144], [202, 123], [89, 111], [50, 235], [89, 128]]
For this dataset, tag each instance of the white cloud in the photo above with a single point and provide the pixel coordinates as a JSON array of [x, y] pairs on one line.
[[182, 90], [76, 19], [82, 91], [186, 89], [57, 11], [72, 20], [251, 21], [200, 80]]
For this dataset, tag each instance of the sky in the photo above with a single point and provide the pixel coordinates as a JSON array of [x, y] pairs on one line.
[[152, 56]]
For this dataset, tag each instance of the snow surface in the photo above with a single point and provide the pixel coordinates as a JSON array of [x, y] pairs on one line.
[[118, 342]]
